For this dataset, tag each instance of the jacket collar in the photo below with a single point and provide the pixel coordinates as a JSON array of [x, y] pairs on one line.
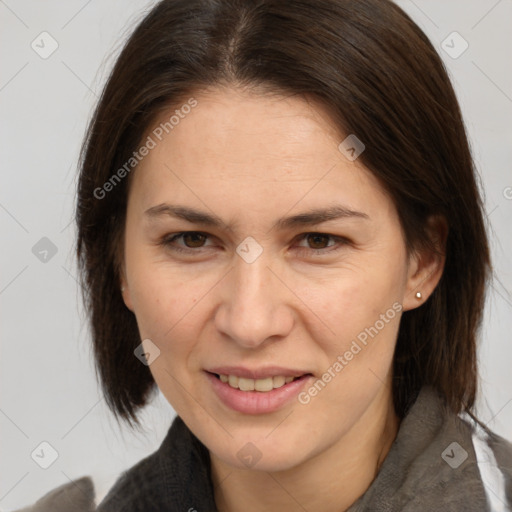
[[431, 464]]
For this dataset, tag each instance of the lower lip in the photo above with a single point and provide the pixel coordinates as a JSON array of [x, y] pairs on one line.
[[257, 402]]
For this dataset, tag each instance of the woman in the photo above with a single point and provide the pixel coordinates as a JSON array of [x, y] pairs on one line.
[[279, 227]]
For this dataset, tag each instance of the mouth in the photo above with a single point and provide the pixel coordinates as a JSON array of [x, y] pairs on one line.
[[263, 385], [262, 395]]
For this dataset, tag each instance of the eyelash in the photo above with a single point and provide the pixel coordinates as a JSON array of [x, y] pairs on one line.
[[168, 240]]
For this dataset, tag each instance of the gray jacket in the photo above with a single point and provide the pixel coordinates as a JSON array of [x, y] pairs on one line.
[[438, 461]]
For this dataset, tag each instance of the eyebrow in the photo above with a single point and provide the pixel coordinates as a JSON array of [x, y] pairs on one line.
[[308, 218]]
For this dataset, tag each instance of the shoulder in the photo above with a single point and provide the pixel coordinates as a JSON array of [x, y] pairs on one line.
[[471, 464], [171, 478], [473, 456], [144, 486], [494, 460], [138, 487], [76, 496], [449, 461]]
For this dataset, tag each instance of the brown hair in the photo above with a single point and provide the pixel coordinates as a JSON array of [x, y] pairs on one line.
[[381, 79]]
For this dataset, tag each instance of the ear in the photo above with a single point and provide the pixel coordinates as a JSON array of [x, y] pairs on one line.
[[426, 264], [125, 290]]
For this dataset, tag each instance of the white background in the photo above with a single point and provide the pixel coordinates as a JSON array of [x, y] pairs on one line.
[[49, 390]]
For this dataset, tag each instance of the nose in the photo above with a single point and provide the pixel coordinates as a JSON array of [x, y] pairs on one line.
[[255, 305]]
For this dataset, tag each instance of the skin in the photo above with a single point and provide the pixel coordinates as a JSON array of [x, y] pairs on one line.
[[251, 159]]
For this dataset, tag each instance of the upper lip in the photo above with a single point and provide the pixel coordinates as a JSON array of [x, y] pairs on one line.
[[258, 373]]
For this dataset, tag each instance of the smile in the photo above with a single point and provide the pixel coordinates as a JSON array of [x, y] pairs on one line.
[[262, 385], [256, 396]]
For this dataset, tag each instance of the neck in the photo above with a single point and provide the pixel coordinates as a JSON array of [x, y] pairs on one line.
[[330, 481]]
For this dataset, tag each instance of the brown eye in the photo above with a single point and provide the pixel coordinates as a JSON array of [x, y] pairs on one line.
[[194, 240], [318, 241], [188, 242], [320, 244]]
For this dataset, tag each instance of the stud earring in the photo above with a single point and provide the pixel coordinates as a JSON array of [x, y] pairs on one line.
[[419, 296]]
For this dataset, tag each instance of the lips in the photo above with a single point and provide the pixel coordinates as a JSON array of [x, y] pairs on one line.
[[257, 391]]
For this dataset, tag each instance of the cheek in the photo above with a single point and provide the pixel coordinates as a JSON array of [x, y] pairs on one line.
[[354, 303], [364, 312], [166, 314], [155, 296], [163, 307]]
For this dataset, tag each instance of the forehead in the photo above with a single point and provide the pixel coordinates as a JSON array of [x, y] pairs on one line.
[[239, 145], [243, 128]]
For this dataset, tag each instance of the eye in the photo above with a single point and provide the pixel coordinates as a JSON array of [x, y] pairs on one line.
[[190, 240], [321, 243]]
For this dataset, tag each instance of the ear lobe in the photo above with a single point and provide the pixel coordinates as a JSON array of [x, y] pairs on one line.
[[125, 293], [426, 264]]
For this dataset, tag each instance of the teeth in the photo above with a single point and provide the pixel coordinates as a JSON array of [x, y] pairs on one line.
[[246, 384], [263, 385], [278, 381]]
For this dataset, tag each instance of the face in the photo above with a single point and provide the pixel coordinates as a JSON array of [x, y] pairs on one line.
[[256, 252]]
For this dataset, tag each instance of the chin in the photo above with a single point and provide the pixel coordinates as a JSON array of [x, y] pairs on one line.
[[280, 454], [271, 463]]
